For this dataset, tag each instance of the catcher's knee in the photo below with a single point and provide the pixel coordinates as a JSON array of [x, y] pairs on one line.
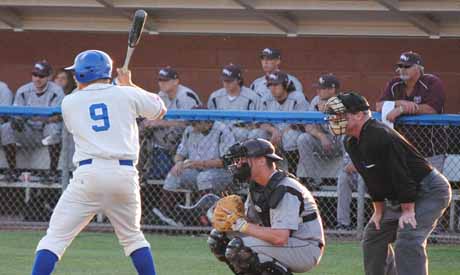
[[241, 258], [217, 242]]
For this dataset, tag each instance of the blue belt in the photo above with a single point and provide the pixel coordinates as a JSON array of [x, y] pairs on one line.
[[126, 162]]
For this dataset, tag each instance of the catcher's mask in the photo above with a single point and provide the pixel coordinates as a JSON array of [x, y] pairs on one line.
[[338, 106], [258, 147]]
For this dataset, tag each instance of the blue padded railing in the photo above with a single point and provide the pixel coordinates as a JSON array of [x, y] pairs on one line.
[[248, 116]]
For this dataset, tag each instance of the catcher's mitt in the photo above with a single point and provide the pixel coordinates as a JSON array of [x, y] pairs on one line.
[[228, 209]]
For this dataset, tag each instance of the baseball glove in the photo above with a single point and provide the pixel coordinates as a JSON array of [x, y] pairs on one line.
[[228, 209]]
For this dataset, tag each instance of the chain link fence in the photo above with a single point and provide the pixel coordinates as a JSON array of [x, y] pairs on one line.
[[181, 173]]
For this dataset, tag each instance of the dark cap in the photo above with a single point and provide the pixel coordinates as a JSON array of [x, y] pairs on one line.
[[231, 72], [327, 81], [167, 73], [200, 107], [259, 147], [42, 68], [270, 53], [353, 102], [277, 77], [409, 59]]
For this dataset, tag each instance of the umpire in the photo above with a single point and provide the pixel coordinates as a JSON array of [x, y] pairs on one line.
[[281, 231], [408, 194]]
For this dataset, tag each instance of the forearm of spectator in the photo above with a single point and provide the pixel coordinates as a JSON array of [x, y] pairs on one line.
[[378, 207], [268, 127], [425, 109], [178, 158], [315, 131], [54, 119], [378, 106], [212, 163]]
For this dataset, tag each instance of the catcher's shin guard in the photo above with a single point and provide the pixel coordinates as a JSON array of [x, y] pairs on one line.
[[241, 258], [217, 242]]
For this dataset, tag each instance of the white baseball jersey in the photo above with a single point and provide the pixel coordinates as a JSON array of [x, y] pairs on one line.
[[102, 120], [6, 96]]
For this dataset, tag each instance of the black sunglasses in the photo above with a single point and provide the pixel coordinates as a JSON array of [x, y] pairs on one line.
[[404, 66], [38, 75]]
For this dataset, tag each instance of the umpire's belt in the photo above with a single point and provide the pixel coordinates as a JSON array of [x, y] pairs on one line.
[[126, 162], [310, 217]]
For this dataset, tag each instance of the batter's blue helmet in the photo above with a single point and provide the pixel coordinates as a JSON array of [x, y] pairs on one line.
[[91, 65]]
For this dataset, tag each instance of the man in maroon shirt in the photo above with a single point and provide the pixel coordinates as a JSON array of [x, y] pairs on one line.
[[415, 93]]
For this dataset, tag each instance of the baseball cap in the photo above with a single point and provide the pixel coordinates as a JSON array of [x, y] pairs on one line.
[[327, 81], [410, 58], [353, 102], [42, 68], [231, 72], [167, 73], [277, 77], [270, 53]]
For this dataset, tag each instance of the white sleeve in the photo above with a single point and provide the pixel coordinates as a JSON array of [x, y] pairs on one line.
[[148, 105], [64, 112]]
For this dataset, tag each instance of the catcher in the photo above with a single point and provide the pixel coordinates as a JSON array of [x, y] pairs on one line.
[[278, 230]]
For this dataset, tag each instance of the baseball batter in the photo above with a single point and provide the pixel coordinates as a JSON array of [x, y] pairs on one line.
[[281, 230], [102, 119]]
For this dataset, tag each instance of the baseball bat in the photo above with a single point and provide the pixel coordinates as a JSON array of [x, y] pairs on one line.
[[140, 16]]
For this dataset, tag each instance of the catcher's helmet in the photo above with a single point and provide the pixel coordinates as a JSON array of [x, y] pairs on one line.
[[337, 106], [256, 147], [91, 65]]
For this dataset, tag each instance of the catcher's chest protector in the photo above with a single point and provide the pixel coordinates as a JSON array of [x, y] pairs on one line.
[[268, 197]]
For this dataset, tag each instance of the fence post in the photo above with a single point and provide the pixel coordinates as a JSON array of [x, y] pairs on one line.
[[361, 194]]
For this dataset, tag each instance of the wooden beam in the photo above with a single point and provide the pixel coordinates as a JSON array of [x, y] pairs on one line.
[[420, 21], [276, 19], [109, 4], [10, 18]]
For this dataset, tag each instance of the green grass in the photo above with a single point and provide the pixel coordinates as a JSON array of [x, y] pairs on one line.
[[100, 253]]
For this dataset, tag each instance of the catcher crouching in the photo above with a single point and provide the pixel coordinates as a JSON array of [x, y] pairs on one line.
[[278, 230]]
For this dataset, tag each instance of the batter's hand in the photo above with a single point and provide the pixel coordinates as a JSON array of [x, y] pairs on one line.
[[376, 219], [407, 217], [124, 77]]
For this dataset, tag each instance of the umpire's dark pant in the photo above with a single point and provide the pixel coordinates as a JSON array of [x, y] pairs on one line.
[[410, 244]]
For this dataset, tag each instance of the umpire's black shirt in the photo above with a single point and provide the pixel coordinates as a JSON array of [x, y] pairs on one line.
[[391, 167]]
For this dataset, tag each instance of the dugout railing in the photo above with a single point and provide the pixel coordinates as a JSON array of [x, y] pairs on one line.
[[27, 198]]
